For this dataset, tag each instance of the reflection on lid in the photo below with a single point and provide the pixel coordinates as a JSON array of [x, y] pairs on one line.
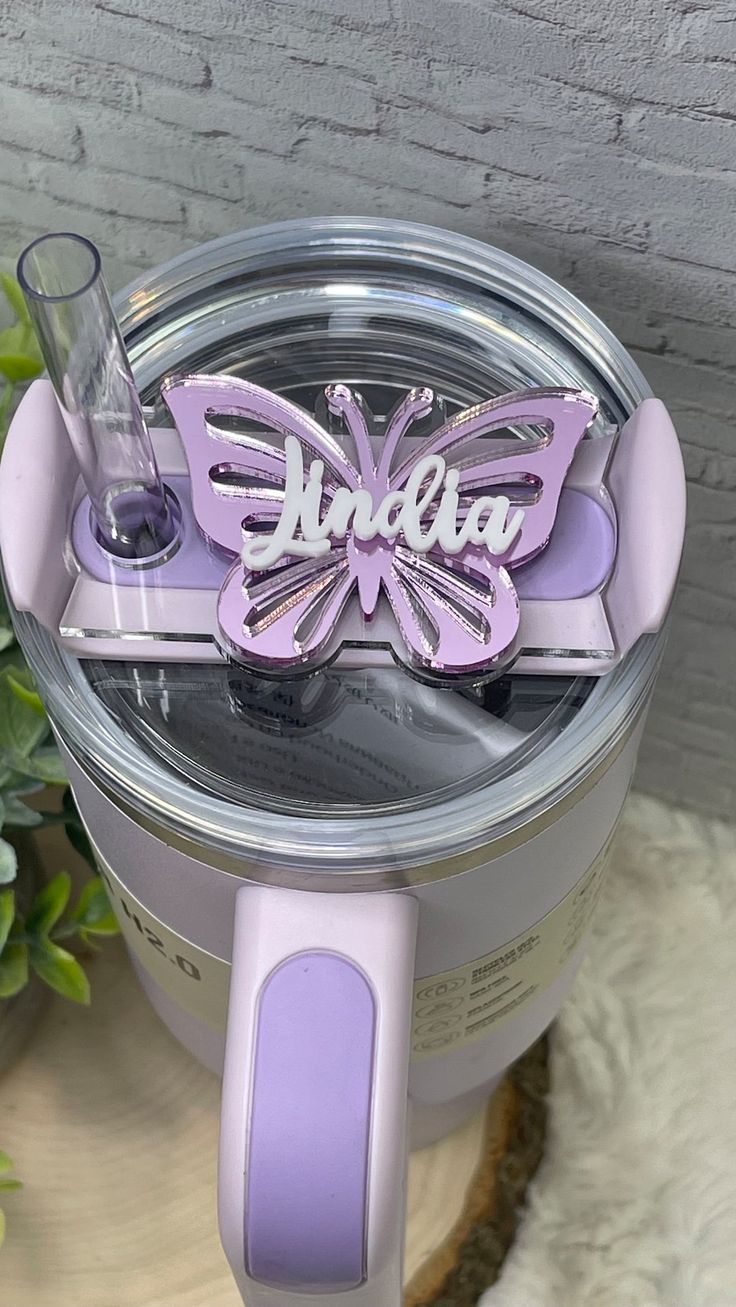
[[338, 742]]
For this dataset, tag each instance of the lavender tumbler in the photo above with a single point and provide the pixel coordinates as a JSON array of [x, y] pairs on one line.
[[358, 894]]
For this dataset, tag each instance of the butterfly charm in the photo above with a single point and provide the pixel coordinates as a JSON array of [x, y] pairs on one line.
[[420, 535]]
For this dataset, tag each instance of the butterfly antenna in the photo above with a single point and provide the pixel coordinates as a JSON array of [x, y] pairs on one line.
[[341, 401], [417, 404]]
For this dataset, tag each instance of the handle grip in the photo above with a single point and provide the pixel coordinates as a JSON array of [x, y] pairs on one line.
[[314, 1101]]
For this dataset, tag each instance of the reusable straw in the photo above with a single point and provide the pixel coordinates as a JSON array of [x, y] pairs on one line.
[[61, 278]]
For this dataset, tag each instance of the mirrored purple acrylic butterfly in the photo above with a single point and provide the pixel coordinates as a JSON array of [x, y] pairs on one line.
[[418, 533]]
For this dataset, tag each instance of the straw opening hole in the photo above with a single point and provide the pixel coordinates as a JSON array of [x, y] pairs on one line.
[[57, 267]]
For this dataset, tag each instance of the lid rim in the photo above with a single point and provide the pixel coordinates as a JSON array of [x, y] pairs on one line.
[[364, 876], [354, 229]]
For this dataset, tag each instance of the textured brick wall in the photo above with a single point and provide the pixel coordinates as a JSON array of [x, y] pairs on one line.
[[596, 140]]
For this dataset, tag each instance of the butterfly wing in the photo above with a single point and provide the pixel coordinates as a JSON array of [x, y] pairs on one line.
[[455, 616], [530, 473], [239, 476], [285, 619], [461, 614]]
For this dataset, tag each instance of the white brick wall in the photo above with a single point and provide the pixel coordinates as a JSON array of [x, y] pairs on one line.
[[598, 141]]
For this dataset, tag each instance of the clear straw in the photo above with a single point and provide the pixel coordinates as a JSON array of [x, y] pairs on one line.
[[61, 278]]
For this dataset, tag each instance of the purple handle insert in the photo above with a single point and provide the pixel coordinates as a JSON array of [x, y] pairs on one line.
[[305, 1212], [580, 554], [296, 1100]]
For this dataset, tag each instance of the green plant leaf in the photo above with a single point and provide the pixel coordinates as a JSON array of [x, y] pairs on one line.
[[68, 805], [18, 814], [15, 297], [6, 1164], [93, 912], [23, 785], [75, 832], [20, 358], [79, 840], [21, 728], [23, 675], [7, 1185], [49, 904], [60, 970], [8, 862], [7, 917], [7, 634], [106, 926], [13, 785], [26, 694], [13, 968], [45, 764]]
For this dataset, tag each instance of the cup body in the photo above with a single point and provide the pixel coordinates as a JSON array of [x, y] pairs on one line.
[[440, 850]]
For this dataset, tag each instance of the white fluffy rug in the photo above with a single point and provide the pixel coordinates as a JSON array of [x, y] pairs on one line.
[[635, 1202]]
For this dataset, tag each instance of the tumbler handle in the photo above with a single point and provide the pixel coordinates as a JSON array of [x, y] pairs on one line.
[[314, 1102]]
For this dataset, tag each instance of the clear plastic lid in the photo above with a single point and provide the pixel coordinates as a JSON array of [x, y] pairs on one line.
[[356, 767]]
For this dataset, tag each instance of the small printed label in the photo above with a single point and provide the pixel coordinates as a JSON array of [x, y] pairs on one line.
[[198, 981], [460, 1007]]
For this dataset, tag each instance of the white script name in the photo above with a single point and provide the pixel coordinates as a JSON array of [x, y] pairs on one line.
[[300, 530]]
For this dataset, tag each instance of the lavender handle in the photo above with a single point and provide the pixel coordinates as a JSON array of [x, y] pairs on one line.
[[314, 1100]]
